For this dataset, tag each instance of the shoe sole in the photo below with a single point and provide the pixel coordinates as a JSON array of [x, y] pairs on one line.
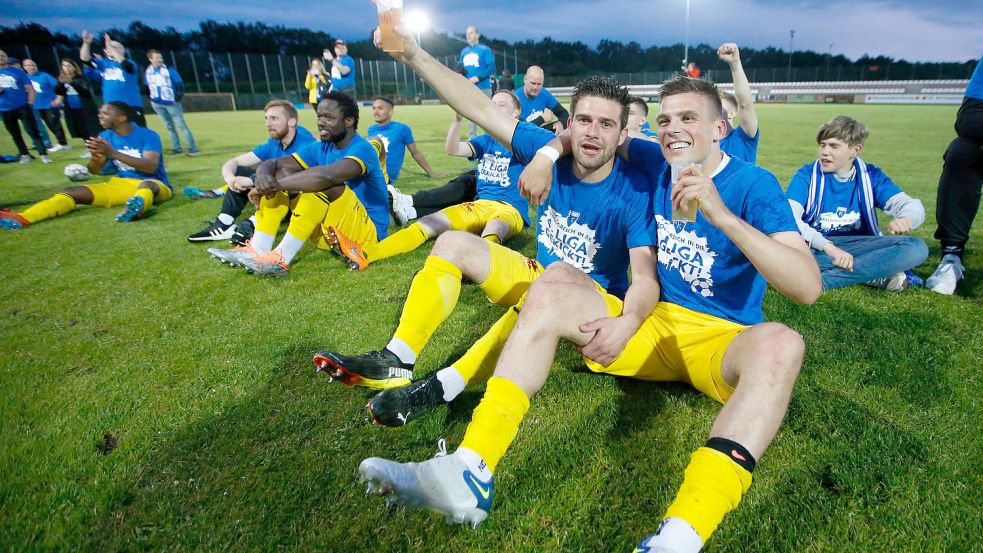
[[349, 378], [210, 238], [350, 261], [131, 213]]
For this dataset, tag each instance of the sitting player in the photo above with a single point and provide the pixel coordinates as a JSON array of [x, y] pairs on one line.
[[833, 199], [286, 137], [343, 189], [397, 137], [132, 152], [498, 213]]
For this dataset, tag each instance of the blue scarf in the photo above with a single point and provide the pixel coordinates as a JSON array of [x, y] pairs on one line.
[[817, 188]]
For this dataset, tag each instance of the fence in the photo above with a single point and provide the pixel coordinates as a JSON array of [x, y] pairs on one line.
[[254, 79]]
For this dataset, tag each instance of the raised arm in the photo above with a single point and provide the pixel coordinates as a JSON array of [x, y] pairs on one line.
[[85, 52], [456, 90], [747, 117]]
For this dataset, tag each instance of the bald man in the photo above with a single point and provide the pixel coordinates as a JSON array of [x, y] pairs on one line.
[[478, 65], [535, 100]]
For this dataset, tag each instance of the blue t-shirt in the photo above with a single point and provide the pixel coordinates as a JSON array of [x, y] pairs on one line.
[[840, 210], [975, 87], [13, 81], [591, 226], [700, 268], [396, 137], [369, 187], [647, 131], [533, 107], [738, 144], [44, 86], [498, 174], [140, 140], [478, 61], [120, 81], [339, 81], [272, 148]]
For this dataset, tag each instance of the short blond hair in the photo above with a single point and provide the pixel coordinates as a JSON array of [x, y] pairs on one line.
[[845, 128], [287, 107]]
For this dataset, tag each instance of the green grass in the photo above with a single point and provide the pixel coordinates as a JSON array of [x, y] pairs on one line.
[[228, 440]]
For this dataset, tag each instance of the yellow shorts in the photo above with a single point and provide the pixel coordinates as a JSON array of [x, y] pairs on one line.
[[474, 216], [348, 215], [509, 275], [676, 344], [117, 190]]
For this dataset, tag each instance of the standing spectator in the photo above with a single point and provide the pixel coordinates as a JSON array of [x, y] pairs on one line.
[[959, 187], [166, 91], [342, 69], [692, 71], [537, 100], [478, 63], [74, 93], [120, 80], [506, 82], [318, 82], [44, 89], [17, 104]]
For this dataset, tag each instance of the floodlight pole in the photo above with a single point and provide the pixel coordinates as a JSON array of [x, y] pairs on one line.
[[791, 47], [686, 43]]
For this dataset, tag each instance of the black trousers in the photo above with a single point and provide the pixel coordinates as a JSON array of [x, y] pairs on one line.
[[234, 202], [52, 118], [958, 197], [23, 114], [460, 189]]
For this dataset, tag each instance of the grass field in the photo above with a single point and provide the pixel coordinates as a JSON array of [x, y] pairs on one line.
[[226, 439]]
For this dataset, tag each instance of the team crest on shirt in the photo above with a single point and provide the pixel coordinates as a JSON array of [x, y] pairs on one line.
[[385, 142], [471, 59], [494, 169], [568, 240], [840, 219], [8, 81], [683, 251], [132, 152], [113, 74]]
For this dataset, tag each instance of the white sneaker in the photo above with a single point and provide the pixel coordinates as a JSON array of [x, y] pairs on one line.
[[46, 160], [444, 484], [947, 276], [26, 158], [402, 206], [86, 155], [59, 148], [893, 283]]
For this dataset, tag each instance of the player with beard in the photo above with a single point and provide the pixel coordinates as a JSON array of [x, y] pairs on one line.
[[343, 189], [286, 137]]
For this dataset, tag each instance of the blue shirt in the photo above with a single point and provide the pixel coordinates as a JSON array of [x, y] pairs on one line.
[[478, 61], [44, 86], [13, 81], [369, 187], [975, 87], [272, 148], [165, 85], [700, 268], [498, 174], [840, 210], [396, 137], [647, 131], [738, 144], [591, 226], [120, 82], [140, 140], [533, 107], [339, 81]]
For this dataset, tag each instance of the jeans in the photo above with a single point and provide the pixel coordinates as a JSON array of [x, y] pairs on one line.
[[41, 130], [873, 257], [173, 118]]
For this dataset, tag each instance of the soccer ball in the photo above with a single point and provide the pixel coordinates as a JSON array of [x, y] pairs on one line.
[[76, 172]]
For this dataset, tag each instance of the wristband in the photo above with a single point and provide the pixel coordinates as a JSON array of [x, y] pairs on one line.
[[549, 152]]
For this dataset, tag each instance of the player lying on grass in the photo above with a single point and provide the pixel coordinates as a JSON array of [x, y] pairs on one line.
[[132, 152], [498, 213], [342, 185], [286, 137], [707, 328], [834, 200]]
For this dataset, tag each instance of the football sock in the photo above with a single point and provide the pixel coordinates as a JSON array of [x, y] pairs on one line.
[[406, 240], [59, 204], [271, 211], [496, 420], [307, 215], [226, 219], [402, 351], [289, 247], [148, 198], [493, 238], [451, 383], [478, 363], [431, 300], [261, 241], [717, 476]]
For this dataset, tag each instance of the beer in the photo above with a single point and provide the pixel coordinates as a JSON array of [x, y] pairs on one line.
[[390, 15], [688, 212]]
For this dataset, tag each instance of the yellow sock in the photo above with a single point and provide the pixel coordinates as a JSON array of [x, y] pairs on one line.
[[431, 300], [712, 487], [59, 204], [493, 238], [148, 197], [406, 240], [307, 215], [496, 420], [478, 363], [271, 211]]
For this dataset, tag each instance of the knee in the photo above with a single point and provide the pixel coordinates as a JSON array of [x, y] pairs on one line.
[[560, 272], [78, 193], [455, 246], [150, 185], [778, 353], [962, 153], [542, 302], [916, 251]]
